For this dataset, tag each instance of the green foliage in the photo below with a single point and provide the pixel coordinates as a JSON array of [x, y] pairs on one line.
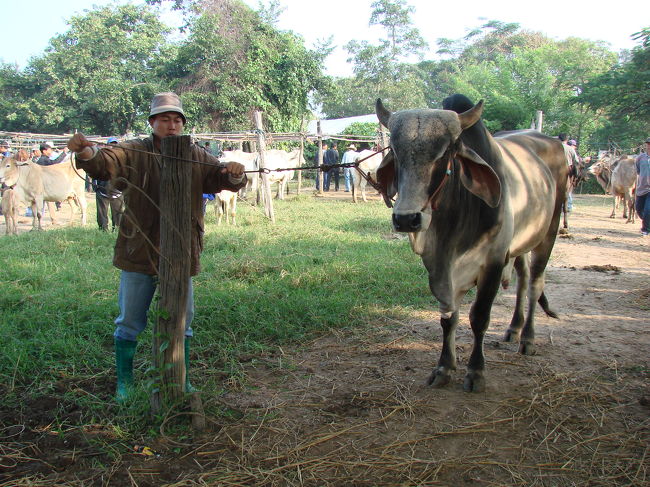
[[100, 75], [518, 73], [622, 94], [234, 63], [97, 77], [380, 70]]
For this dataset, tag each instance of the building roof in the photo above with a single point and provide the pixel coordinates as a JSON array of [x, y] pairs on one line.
[[337, 125]]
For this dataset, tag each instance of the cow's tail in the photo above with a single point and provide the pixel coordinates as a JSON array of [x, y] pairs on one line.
[[543, 302]]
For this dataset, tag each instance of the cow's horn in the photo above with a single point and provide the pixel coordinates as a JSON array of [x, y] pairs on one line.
[[382, 113], [471, 116]]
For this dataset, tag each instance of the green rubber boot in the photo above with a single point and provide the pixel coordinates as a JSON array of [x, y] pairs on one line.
[[188, 386], [124, 352]]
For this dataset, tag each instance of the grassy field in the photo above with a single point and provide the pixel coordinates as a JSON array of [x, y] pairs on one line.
[[324, 264]]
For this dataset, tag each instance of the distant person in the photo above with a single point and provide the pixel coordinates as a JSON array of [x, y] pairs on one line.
[[642, 199], [349, 157], [108, 197], [46, 153], [36, 153], [325, 146], [331, 158], [4, 148]]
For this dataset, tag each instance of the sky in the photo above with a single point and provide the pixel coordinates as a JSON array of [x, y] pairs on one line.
[[28, 25]]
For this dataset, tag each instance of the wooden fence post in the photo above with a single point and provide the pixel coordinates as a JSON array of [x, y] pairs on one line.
[[300, 155], [319, 173], [173, 269], [266, 185]]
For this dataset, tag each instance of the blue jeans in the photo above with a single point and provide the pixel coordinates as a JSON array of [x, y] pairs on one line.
[[134, 298], [347, 175], [642, 204]]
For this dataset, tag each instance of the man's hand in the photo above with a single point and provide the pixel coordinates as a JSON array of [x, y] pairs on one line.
[[235, 169]]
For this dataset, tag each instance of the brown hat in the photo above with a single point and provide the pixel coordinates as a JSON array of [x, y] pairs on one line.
[[167, 102], [352, 146]]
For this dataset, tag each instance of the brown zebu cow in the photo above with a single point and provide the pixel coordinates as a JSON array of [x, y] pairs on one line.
[[471, 204]]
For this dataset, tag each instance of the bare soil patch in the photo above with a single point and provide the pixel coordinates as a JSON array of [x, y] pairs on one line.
[[351, 408]]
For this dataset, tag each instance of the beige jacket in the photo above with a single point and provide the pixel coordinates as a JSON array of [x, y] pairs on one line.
[[137, 175]]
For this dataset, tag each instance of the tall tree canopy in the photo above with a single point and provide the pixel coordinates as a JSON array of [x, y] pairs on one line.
[[233, 62], [381, 70], [622, 94], [96, 77]]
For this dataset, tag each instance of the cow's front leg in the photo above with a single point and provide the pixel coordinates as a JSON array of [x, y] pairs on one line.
[[441, 375], [479, 318]]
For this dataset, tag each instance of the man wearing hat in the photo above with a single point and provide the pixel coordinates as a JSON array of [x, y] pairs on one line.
[[46, 153], [36, 153], [642, 200], [4, 148], [133, 167], [349, 157]]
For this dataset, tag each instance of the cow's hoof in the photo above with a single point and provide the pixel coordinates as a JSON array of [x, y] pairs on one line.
[[527, 348], [511, 336], [474, 382], [440, 377]]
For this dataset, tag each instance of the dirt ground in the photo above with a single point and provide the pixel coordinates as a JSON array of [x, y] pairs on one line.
[[352, 408]]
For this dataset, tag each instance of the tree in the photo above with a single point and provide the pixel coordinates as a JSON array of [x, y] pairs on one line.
[[381, 70], [97, 77], [234, 62], [623, 95], [518, 73]]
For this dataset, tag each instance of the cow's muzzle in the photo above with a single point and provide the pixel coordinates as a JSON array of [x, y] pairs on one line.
[[409, 222]]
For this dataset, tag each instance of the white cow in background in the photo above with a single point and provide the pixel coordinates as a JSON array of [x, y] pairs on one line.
[[369, 166], [10, 210], [226, 204], [279, 159], [35, 184], [249, 160]]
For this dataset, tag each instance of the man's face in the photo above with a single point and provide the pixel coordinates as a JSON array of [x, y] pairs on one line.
[[47, 152], [166, 124]]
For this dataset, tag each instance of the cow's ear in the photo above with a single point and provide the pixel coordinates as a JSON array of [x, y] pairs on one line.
[[386, 178], [383, 114], [479, 178]]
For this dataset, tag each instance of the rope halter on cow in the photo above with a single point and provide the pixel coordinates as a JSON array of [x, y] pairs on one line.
[[433, 198]]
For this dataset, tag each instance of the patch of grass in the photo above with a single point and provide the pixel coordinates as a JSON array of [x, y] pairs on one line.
[[323, 265]]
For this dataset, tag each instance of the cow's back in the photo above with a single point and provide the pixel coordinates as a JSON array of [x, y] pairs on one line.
[[61, 181]]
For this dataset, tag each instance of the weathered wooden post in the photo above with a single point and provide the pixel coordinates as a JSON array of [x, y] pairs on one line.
[[319, 174], [173, 269], [266, 185], [302, 151]]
